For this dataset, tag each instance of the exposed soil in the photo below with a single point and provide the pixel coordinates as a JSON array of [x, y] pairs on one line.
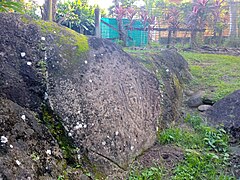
[[167, 156]]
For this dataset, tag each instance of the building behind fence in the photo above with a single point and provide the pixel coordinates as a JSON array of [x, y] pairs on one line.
[[135, 37], [140, 37]]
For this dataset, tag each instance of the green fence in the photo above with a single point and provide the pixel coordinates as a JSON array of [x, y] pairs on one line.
[[138, 37]]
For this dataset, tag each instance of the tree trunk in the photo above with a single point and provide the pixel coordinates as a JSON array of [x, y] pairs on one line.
[[169, 38], [97, 22], [233, 19], [193, 39], [49, 10]]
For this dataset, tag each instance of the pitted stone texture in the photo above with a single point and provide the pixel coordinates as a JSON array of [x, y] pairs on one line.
[[110, 104], [20, 82], [24, 155]]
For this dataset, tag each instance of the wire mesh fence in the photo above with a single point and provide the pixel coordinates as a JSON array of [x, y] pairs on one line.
[[227, 25]]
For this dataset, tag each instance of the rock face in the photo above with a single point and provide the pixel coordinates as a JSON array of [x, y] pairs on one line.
[[227, 112], [172, 72], [86, 90], [109, 104], [29, 150]]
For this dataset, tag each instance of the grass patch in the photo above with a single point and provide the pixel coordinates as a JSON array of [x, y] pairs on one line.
[[152, 173], [206, 153], [206, 150], [212, 71]]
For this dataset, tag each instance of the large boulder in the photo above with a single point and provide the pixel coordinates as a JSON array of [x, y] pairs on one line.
[[93, 97], [227, 112], [107, 102]]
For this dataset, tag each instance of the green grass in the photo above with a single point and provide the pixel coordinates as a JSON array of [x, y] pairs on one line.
[[206, 150], [152, 173], [217, 73], [206, 153]]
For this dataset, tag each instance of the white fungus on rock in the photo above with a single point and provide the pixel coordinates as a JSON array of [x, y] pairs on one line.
[[49, 152], [4, 139], [23, 117], [23, 54], [18, 162]]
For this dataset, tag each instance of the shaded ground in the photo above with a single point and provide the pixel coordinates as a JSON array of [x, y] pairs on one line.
[[161, 155]]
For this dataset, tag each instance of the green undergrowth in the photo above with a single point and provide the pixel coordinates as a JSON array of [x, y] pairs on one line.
[[152, 173], [205, 153], [218, 75]]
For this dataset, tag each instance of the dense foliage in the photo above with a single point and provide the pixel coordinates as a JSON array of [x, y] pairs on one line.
[[76, 15], [10, 6]]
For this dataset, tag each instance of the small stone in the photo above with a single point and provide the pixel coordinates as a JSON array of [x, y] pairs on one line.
[[84, 126], [90, 80], [203, 108], [29, 63], [4, 139], [70, 134], [11, 146], [85, 62], [23, 54], [18, 162], [54, 32], [195, 100], [101, 54], [132, 147], [167, 70], [43, 38], [23, 117], [116, 133], [49, 152], [94, 55]]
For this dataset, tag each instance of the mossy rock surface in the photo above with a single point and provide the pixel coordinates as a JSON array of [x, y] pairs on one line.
[[173, 74]]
